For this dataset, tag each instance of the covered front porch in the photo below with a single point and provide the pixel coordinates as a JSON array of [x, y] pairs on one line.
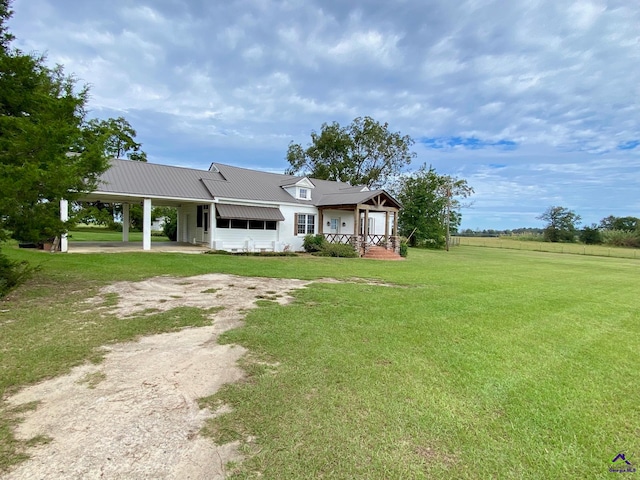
[[372, 222], [125, 202], [203, 225]]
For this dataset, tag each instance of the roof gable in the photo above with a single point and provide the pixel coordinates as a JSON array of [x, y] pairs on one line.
[[376, 198], [303, 182]]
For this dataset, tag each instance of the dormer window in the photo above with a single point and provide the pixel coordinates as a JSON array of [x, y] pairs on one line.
[[300, 190]]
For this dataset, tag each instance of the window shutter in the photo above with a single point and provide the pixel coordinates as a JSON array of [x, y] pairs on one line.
[[295, 224]]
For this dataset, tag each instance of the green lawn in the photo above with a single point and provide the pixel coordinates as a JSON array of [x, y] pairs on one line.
[[477, 363], [540, 246]]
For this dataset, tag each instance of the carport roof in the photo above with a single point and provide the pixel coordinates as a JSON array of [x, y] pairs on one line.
[[142, 179]]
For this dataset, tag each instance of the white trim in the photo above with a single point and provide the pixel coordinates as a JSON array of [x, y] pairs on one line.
[[212, 224], [64, 216], [146, 224], [96, 193], [245, 202], [303, 182], [249, 203]]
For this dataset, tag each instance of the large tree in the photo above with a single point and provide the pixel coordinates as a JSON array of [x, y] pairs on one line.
[[118, 137], [430, 206], [626, 224], [362, 153], [561, 224], [41, 118]]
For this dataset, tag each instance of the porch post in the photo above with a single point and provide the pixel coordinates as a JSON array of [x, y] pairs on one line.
[[64, 216], [356, 230], [146, 224], [395, 223], [320, 221], [212, 225], [126, 222], [178, 222], [366, 224], [386, 229], [356, 221]]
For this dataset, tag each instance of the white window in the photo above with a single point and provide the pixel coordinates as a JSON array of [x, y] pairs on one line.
[[306, 224], [303, 193]]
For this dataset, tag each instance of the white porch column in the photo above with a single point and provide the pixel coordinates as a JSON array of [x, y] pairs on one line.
[[178, 222], [64, 216], [146, 224], [386, 229], [126, 221], [212, 224]]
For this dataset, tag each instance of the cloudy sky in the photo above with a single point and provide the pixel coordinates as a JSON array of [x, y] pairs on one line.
[[534, 102]]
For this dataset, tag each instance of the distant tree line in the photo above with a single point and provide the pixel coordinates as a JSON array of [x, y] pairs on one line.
[[562, 225], [490, 232]]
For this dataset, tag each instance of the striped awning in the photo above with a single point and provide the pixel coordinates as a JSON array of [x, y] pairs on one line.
[[246, 212]]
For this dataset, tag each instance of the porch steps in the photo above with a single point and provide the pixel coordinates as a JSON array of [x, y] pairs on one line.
[[380, 253]]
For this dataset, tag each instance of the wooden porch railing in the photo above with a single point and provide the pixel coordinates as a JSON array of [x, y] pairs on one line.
[[338, 238], [362, 242], [376, 239]]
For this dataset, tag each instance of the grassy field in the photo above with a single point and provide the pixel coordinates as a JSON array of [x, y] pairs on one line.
[[477, 363], [540, 246]]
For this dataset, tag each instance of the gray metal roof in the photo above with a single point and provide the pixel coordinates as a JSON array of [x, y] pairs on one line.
[[352, 198], [245, 212], [149, 179], [141, 179]]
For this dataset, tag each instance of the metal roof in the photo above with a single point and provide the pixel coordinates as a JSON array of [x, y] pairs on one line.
[[246, 212], [128, 178], [149, 179], [352, 198]]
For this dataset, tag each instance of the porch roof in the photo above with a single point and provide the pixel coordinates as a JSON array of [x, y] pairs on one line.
[[355, 198]]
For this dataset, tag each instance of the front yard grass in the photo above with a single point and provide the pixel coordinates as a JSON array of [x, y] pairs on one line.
[[477, 363]]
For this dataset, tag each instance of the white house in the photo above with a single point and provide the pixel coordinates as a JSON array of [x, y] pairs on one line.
[[237, 209]]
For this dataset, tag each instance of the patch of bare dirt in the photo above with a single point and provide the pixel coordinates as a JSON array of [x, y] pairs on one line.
[[135, 415]]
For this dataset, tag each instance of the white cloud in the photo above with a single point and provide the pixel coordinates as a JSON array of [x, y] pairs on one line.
[[243, 78], [367, 46]]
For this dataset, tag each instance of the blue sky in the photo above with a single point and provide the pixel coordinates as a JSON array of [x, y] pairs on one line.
[[534, 102]]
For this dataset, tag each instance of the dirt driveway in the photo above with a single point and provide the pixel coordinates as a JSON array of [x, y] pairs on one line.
[[135, 415]]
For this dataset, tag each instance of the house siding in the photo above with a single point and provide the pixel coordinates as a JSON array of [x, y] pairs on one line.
[[234, 239], [345, 216], [288, 227]]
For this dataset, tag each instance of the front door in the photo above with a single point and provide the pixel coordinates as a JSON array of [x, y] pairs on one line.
[[335, 225], [202, 223]]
